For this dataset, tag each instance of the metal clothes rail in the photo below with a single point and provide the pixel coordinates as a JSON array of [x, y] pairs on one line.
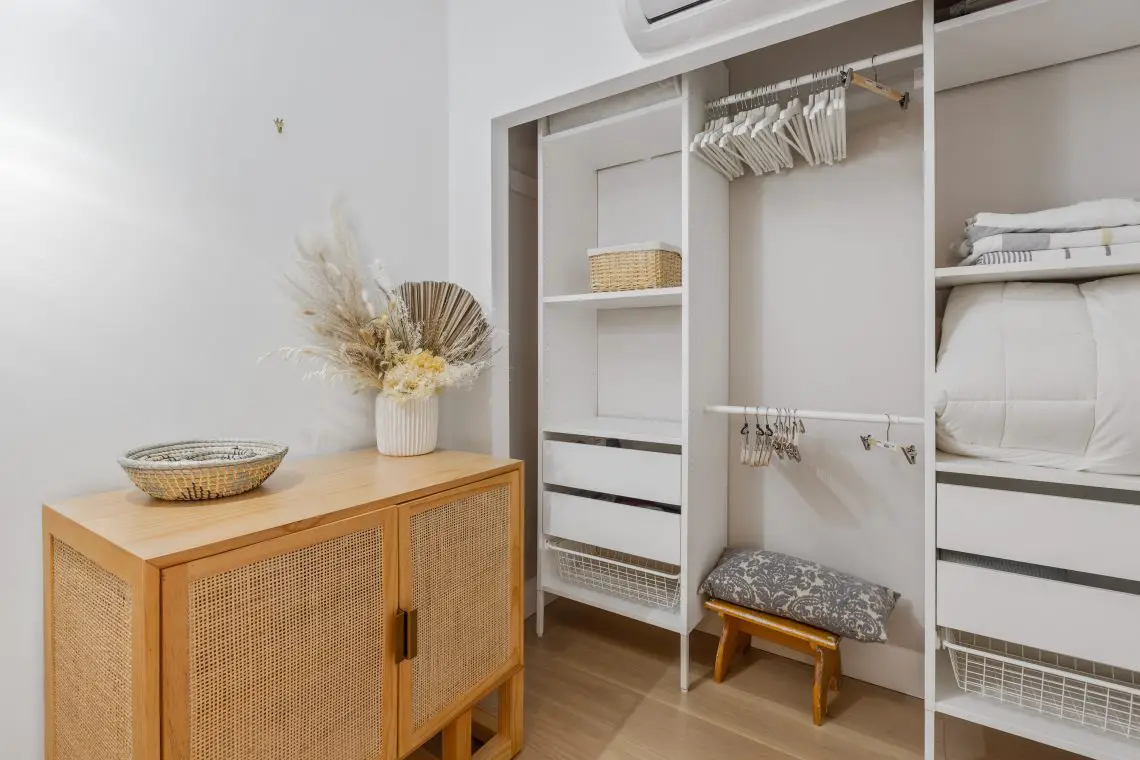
[[741, 97], [809, 414]]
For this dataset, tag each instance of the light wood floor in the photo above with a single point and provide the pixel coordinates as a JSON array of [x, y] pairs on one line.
[[601, 687]]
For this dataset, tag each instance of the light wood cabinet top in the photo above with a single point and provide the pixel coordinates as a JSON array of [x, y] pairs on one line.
[[301, 494]]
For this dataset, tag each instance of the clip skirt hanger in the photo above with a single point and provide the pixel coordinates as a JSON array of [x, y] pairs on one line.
[[870, 441]]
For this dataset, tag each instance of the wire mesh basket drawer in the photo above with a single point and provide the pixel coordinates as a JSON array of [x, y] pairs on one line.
[[626, 575], [1090, 693]]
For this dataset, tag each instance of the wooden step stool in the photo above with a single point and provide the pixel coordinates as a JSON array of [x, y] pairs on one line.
[[741, 624]]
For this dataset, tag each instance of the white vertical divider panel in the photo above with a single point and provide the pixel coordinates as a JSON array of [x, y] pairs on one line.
[[704, 354], [929, 355], [540, 600]]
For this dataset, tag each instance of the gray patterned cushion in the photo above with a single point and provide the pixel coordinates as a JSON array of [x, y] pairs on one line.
[[804, 591]]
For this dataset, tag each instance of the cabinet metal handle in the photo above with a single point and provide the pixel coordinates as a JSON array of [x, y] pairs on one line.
[[407, 634], [401, 633], [413, 637]]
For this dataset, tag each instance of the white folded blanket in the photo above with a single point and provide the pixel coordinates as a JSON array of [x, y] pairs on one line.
[[1045, 241], [1089, 215], [1042, 374]]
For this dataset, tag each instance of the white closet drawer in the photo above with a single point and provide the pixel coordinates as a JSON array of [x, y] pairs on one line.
[[1079, 621], [1075, 534], [637, 474], [647, 533]]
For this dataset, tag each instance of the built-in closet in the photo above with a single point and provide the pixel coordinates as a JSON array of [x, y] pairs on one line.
[[793, 294], [817, 292]]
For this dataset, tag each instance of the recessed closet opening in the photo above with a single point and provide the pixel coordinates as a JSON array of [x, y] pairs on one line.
[[522, 328], [794, 292]]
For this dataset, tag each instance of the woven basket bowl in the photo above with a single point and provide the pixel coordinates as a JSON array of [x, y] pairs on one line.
[[198, 470]]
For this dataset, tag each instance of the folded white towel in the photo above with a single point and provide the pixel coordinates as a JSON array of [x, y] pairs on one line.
[[1124, 253], [1037, 241], [1089, 215]]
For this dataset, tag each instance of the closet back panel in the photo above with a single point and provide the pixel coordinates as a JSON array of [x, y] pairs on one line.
[[569, 226], [826, 303], [639, 363], [640, 201], [570, 369], [1049, 138]]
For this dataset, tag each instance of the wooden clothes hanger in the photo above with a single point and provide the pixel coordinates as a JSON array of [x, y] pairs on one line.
[[873, 85]]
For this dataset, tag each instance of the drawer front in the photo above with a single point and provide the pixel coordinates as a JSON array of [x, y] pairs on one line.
[[637, 474], [1075, 534], [645, 532], [1079, 621]]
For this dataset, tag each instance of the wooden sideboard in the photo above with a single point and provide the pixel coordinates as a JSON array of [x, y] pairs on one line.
[[353, 607]]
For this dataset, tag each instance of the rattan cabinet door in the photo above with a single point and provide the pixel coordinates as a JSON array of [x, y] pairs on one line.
[[284, 650], [461, 580]]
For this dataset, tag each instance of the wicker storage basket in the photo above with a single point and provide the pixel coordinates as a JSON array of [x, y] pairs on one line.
[[640, 266], [196, 470]]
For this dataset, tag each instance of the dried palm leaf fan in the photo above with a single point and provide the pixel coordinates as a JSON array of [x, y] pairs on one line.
[[452, 324]]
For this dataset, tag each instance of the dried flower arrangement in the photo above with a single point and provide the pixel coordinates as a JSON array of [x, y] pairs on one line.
[[425, 337]]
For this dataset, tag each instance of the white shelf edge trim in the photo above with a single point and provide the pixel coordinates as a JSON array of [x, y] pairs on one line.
[[946, 277], [646, 431], [809, 414], [619, 298], [567, 135], [988, 468]]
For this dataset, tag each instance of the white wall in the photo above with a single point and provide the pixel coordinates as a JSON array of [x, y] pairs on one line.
[[147, 210]]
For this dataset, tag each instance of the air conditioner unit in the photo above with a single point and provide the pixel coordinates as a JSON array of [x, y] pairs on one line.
[[656, 25]]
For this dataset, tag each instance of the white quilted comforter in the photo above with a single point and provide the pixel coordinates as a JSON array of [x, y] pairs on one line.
[[1043, 374]]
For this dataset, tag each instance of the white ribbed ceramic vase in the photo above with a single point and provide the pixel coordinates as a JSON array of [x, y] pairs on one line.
[[405, 429]]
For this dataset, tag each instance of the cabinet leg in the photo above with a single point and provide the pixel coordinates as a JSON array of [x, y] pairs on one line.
[[457, 738], [930, 736], [684, 662], [540, 613], [511, 712]]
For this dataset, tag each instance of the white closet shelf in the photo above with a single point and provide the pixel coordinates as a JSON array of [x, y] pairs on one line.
[[636, 135], [670, 620], [1072, 737], [990, 469], [1029, 271], [643, 431], [1024, 35], [622, 299]]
